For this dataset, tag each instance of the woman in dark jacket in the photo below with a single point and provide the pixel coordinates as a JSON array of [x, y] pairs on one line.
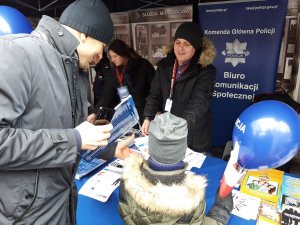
[[183, 84], [129, 70]]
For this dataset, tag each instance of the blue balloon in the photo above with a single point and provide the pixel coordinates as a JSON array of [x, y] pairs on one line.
[[268, 133], [12, 21]]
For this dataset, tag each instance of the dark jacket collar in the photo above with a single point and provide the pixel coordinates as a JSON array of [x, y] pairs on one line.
[[57, 36]]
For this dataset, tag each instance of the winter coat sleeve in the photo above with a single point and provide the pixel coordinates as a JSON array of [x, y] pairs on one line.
[[222, 208], [124, 208], [198, 104], [20, 148], [155, 98], [150, 71], [108, 153]]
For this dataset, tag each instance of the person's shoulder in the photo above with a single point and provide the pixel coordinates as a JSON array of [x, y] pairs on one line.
[[14, 37], [167, 61], [22, 44], [209, 69], [16, 40], [138, 61], [145, 62], [207, 73], [137, 64]]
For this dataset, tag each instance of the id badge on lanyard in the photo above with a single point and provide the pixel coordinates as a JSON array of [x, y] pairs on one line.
[[123, 92], [169, 101], [168, 105]]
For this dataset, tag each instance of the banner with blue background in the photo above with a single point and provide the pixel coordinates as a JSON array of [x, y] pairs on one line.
[[247, 36]]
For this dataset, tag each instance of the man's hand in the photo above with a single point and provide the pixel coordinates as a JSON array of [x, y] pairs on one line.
[[93, 136], [122, 149], [91, 118], [145, 127]]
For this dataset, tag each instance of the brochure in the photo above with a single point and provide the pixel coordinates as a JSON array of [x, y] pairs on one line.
[[268, 213], [290, 215], [125, 117], [85, 167], [244, 205], [101, 185], [265, 184], [290, 192], [194, 159]]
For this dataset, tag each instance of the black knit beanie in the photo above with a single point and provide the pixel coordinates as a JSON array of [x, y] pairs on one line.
[[191, 32], [90, 17]]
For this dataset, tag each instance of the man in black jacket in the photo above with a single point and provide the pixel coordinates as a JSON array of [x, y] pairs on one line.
[[183, 84]]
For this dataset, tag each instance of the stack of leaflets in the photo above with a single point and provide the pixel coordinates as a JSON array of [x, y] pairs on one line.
[[264, 184], [279, 193], [289, 201]]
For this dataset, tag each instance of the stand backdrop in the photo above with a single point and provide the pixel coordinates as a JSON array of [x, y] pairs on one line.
[[247, 37]]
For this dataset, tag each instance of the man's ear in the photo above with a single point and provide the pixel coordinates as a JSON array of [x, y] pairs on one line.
[[83, 37]]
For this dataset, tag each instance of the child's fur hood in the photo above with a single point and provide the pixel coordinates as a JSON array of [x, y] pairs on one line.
[[175, 200]]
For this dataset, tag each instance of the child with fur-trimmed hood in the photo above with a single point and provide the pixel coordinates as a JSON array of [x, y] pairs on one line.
[[158, 190]]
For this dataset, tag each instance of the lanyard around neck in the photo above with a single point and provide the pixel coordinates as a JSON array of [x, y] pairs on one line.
[[175, 68], [120, 76]]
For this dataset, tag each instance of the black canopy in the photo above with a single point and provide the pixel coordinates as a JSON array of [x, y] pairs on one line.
[[54, 8]]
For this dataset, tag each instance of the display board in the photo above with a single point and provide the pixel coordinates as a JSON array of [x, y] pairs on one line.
[[121, 27], [154, 29], [247, 36]]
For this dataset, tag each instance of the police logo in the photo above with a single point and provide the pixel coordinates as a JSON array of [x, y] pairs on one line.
[[235, 52]]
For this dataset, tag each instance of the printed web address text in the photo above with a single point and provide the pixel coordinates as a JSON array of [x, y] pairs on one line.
[[262, 7]]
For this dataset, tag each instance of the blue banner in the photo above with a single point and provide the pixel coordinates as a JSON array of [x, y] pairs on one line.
[[247, 36]]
